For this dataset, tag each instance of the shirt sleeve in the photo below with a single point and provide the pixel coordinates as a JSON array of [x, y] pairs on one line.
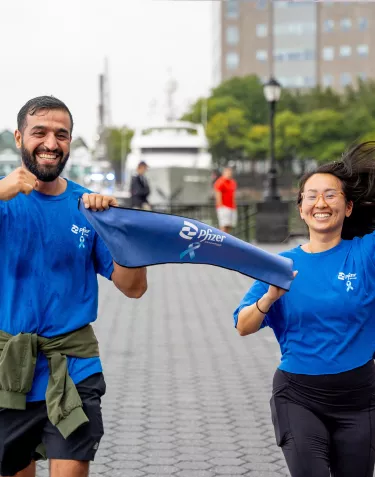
[[218, 185], [256, 292], [103, 261]]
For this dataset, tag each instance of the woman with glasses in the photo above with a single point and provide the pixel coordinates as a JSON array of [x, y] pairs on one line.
[[323, 399]]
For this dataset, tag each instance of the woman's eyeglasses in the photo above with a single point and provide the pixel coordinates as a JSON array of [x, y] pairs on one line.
[[329, 197]]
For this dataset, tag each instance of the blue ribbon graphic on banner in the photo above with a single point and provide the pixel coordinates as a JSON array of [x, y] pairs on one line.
[[190, 250]]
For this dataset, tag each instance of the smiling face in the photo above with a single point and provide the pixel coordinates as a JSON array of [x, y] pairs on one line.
[[323, 205], [45, 143]]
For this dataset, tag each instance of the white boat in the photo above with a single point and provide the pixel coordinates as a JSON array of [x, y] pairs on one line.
[[96, 175], [180, 165], [10, 157]]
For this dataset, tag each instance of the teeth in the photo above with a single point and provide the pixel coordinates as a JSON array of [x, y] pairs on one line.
[[322, 216], [47, 156]]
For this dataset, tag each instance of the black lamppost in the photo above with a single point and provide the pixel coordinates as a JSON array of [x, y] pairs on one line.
[[272, 214], [272, 92]]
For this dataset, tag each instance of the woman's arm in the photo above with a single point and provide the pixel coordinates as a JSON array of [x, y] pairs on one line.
[[250, 318]]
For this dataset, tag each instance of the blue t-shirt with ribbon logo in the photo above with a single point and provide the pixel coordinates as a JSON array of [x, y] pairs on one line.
[[51, 256], [326, 323]]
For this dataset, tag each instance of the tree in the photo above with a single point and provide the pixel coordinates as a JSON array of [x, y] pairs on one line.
[[226, 133], [322, 134], [316, 123], [357, 122], [305, 101], [248, 92], [362, 96], [257, 145], [214, 106], [288, 135], [118, 143]]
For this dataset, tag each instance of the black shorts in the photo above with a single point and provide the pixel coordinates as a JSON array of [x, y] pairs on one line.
[[22, 431]]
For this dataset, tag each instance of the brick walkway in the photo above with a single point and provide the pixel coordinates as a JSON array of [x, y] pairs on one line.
[[186, 395]]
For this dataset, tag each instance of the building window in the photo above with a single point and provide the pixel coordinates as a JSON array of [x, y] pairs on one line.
[[261, 4], [261, 55], [346, 24], [327, 80], [345, 79], [309, 81], [233, 8], [328, 25], [328, 53], [233, 35], [294, 28], [345, 50], [362, 24], [281, 4], [293, 55], [362, 50], [232, 60], [261, 30], [298, 81]]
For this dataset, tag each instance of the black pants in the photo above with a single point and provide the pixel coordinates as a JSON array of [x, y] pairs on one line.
[[325, 425]]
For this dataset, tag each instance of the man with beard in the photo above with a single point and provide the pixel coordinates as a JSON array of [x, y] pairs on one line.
[[51, 380]]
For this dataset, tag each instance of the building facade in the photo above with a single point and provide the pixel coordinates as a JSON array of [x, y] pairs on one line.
[[302, 43]]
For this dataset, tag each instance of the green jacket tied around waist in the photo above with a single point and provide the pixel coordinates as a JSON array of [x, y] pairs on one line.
[[17, 366]]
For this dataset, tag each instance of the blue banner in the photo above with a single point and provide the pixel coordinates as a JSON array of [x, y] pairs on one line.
[[139, 238]]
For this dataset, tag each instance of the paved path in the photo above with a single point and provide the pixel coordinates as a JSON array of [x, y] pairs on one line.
[[186, 395]]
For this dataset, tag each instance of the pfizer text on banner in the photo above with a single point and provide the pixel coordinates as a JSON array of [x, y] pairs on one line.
[[139, 238]]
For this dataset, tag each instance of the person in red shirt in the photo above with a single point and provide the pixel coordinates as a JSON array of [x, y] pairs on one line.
[[225, 191]]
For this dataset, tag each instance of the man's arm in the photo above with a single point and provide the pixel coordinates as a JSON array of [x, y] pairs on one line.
[[132, 282], [218, 192], [219, 198]]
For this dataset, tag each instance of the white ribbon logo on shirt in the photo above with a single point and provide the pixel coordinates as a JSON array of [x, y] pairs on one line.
[[348, 277], [82, 232]]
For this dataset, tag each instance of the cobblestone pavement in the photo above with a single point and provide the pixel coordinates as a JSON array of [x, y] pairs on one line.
[[186, 395]]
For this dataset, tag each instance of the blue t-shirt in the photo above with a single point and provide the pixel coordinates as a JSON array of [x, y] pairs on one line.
[[48, 276], [325, 324]]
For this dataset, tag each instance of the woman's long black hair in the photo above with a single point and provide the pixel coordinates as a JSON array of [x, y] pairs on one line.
[[356, 171]]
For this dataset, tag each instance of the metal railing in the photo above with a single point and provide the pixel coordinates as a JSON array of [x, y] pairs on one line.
[[245, 229]]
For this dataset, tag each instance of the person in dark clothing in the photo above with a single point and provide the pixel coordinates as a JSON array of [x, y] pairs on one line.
[[140, 189]]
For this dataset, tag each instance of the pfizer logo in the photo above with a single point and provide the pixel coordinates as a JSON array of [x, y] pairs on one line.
[[188, 231]]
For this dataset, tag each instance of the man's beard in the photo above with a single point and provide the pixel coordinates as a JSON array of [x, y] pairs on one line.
[[45, 173]]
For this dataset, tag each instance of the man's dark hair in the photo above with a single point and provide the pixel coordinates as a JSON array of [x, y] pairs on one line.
[[356, 171], [39, 104]]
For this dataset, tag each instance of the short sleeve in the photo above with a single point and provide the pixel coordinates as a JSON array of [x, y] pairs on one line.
[[103, 261], [256, 292], [218, 185]]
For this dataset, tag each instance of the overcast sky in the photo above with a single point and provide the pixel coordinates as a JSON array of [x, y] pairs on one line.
[[58, 47]]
